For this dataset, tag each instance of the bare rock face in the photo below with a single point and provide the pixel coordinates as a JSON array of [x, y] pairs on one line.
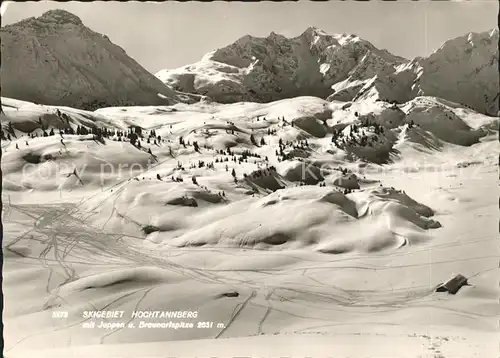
[[54, 59], [344, 68]]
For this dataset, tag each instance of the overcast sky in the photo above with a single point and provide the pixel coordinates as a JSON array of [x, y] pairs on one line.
[[172, 34]]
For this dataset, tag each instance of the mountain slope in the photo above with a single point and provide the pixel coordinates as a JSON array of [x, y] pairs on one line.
[[54, 59], [275, 67], [344, 68], [464, 70], [166, 226]]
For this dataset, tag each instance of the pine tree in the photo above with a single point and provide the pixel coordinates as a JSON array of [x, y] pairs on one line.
[[133, 138]]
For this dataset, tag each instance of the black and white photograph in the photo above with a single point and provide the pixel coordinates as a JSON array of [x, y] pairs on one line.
[[250, 179]]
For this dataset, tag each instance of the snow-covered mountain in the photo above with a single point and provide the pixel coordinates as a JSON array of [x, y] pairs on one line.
[[463, 70], [275, 67], [343, 67], [55, 59]]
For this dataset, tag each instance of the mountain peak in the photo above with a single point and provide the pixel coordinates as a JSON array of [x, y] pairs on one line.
[[314, 30], [60, 16], [43, 58], [343, 67], [273, 34], [49, 19]]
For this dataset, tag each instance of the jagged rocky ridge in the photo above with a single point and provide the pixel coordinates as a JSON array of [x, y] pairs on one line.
[[343, 67], [55, 59]]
